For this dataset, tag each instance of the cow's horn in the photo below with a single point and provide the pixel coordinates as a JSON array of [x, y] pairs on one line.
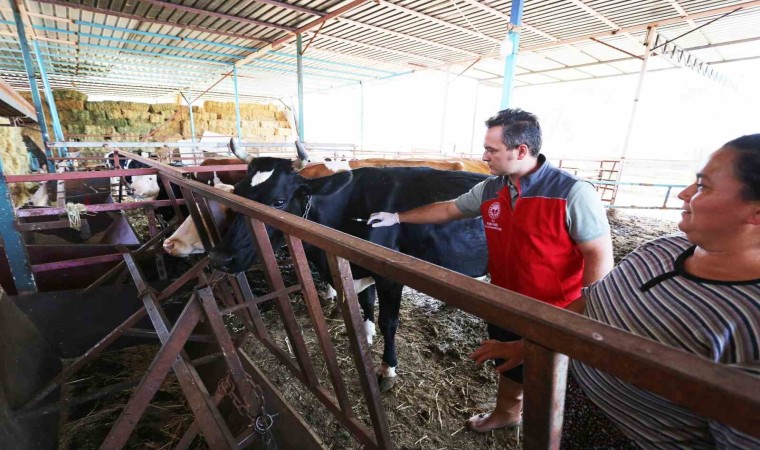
[[239, 152], [303, 157]]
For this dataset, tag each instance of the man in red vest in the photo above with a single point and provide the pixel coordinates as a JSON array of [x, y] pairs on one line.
[[547, 236]]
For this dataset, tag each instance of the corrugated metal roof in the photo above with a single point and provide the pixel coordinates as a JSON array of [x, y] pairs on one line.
[[158, 47]]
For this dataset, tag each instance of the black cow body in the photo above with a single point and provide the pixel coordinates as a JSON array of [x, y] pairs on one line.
[[338, 200]]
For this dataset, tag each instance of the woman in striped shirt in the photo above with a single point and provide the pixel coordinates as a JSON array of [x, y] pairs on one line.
[[699, 292]]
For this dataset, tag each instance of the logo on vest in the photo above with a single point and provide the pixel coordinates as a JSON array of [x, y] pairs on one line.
[[494, 210]]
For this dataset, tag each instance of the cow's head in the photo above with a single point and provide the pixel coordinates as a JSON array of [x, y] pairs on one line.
[[143, 187], [273, 182]]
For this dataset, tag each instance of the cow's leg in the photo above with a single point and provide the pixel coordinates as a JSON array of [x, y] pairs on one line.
[[367, 303], [389, 299]]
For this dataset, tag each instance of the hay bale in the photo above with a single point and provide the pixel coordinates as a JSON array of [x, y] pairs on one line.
[[15, 162], [69, 104], [155, 118], [69, 94], [162, 107], [133, 115], [133, 106], [114, 113], [96, 106]]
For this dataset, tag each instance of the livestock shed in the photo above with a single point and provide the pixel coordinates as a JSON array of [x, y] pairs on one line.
[[129, 318]]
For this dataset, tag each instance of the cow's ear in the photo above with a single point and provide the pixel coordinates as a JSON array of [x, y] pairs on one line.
[[328, 185]]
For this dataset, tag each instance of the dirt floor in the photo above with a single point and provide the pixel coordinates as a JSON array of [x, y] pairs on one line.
[[438, 387]]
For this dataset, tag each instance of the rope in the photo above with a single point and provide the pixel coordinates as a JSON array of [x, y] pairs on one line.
[[74, 211]]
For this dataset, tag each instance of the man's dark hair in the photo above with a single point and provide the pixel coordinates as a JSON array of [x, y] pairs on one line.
[[747, 164], [520, 127]]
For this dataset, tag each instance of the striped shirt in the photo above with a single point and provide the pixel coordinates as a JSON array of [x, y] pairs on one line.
[[651, 295]]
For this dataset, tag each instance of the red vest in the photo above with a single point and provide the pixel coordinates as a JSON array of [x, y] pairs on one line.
[[529, 248]]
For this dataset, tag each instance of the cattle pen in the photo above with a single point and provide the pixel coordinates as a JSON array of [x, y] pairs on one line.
[[264, 416]]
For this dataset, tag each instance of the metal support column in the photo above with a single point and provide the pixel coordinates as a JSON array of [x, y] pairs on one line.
[[510, 61], [237, 104], [13, 244], [649, 42], [57, 130], [29, 65], [299, 70]]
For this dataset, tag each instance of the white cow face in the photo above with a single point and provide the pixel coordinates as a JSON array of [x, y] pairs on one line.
[[145, 187]]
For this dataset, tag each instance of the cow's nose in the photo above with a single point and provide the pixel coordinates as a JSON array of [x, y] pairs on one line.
[[168, 245], [220, 260]]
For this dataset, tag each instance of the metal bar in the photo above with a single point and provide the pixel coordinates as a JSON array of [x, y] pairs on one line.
[[171, 346], [276, 283], [54, 176], [172, 199], [196, 217], [121, 264], [261, 299], [29, 66], [545, 381], [343, 282], [109, 339], [617, 48], [651, 33], [299, 75], [13, 243], [57, 130], [143, 333], [665, 371], [510, 61], [303, 272], [228, 17], [58, 265], [208, 219], [242, 290], [237, 103], [57, 211], [210, 421], [337, 12], [237, 372]]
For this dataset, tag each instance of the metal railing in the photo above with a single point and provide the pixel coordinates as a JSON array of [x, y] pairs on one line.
[[552, 335]]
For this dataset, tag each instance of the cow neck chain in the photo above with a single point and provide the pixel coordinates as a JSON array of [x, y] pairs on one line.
[[308, 207]]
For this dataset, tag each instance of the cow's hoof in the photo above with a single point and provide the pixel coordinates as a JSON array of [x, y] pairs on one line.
[[385, 383]]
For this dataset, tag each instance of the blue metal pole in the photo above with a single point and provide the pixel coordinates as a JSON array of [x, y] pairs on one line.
[[510, 62], [299, 70], [237, 103], [29, 65], [13, 245], [57, 130]]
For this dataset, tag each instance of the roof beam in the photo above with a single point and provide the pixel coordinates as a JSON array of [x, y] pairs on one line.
[[378, 48], [108, 12], [202, 12], [496, 13], [635, 28], [409, 37], [440, 22]]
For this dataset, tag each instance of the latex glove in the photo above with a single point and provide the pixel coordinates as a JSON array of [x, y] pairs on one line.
[[382, 219], [511, 352]]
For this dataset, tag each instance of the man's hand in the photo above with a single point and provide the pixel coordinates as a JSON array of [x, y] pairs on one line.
[[382, 219], [511, 352]]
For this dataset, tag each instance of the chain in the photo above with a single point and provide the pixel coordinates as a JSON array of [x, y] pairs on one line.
[[263, 422], [308, 206]]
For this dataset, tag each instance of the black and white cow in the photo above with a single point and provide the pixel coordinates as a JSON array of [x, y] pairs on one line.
[[336, 201]]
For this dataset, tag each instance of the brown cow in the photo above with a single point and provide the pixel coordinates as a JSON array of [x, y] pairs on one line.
[[186, 241]]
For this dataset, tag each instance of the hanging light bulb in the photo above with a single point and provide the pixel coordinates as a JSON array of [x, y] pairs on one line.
[[506, 47]]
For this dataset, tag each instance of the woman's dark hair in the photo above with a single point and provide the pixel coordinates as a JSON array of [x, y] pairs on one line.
[[747, 164], [520, 127]]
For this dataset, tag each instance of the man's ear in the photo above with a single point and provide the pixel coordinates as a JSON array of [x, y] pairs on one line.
[[754, 215], [523, 151]]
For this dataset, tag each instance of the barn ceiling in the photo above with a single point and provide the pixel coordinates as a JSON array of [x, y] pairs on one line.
[[159, 48]]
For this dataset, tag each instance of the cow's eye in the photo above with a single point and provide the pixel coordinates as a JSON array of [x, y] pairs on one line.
[[278, 203]]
